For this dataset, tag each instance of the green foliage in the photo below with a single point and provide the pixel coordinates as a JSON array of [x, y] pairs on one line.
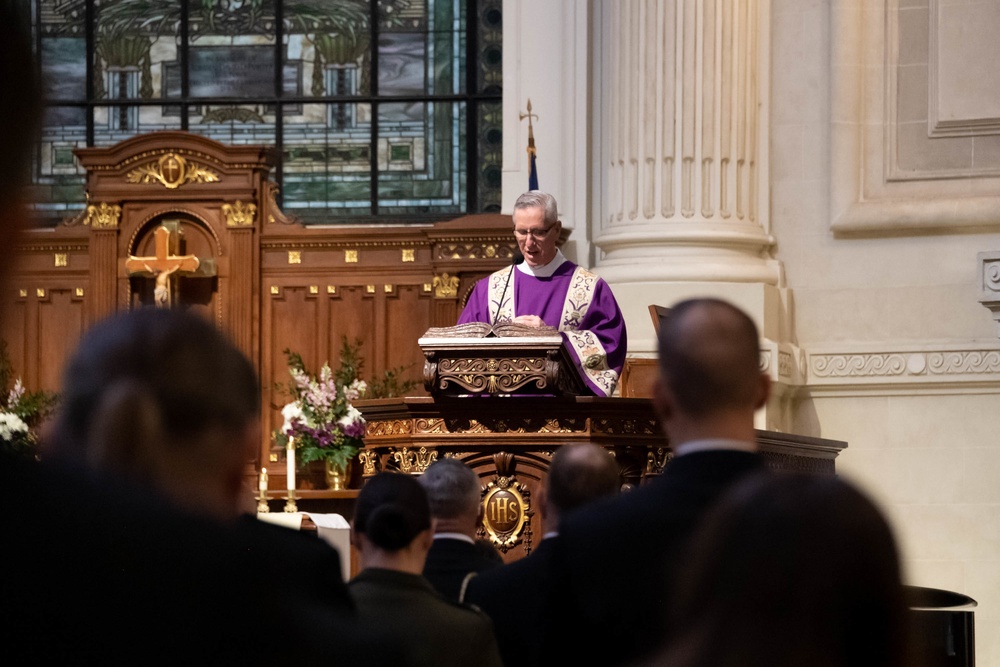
[[21, 411]]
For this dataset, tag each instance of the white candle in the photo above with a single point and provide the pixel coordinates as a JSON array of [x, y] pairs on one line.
[[262, 484], [290, 456]]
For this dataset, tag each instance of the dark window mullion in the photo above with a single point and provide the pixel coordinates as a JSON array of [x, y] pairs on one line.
[[279, 91], [90, 42], [373, 92], [471, 108], [184, 38]]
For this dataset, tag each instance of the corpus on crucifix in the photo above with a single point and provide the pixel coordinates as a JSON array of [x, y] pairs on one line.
[[166, 264]]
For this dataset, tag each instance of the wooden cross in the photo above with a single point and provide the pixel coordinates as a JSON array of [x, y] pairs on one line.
[[165, 264]]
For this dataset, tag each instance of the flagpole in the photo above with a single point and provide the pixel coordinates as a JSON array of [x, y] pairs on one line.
[[532, 153]]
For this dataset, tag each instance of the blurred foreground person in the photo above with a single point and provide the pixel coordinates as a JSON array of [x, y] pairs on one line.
[[514, 595], [612, 565], [393, 533], [786, 571]]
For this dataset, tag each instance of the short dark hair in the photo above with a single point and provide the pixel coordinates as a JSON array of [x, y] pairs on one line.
[[453, 489], [580, 474], [810, 554], [709, 356], [194, 375], [21, 109], [392, 510]]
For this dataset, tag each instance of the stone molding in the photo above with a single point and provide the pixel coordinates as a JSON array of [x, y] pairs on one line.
[[907, 368]]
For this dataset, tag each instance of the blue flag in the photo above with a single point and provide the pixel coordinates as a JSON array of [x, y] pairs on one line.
[[532, 169]]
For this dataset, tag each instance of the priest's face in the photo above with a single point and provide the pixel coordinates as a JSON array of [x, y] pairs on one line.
[[535, 239]]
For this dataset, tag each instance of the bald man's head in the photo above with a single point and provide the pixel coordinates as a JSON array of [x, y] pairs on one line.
[[580, 474], [709, 357]]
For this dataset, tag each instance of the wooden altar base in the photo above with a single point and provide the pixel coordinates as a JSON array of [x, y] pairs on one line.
[[509, 441]]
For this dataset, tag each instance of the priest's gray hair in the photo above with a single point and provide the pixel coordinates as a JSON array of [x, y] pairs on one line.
[[453, 490], [542, 200]]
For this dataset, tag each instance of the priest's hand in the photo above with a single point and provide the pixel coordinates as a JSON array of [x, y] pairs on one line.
[[530, 320]]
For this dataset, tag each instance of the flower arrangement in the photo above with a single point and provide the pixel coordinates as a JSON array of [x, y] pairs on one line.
[[21, 411], [321, 419]]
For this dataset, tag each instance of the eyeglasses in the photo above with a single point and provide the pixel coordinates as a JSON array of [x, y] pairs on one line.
[[537, 234]]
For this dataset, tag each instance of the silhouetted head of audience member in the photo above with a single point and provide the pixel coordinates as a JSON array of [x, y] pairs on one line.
[[20, 118], [578, 474], [392, 523], [163, 398], [710, 380], [454, 492], [790, 570]]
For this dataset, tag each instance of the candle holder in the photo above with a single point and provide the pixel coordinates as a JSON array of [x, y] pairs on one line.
[[262, 507], [290, 505]]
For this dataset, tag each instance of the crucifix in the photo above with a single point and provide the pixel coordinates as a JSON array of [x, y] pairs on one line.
[[166, 263]]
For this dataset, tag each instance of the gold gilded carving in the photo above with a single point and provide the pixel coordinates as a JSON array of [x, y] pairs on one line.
[[656, 460], [314, 289], [370, 289], [79, 292], [40, 293], [500, 249], [350, 257], [294, 256], [172, 171], [369, 462], [432, 425], [526, 425], [273, 458], [409, 255], [23, 293], [504, 375], [61, 259], [506, 511], [427, 287], [387, 288], [331, 289], [275, 290], [446, 286], [563, 426], [425, 457], [625, 426], [405, 460], [393, 427], [414, 462], [103, 215], [239, 214]]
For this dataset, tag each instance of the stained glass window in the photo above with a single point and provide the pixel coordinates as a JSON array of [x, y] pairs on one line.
[[379, 109]]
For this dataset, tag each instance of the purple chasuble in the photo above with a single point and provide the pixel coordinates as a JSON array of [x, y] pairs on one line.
[[597, 342]]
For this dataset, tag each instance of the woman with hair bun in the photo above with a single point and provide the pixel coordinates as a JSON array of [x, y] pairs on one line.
[[393, 532]]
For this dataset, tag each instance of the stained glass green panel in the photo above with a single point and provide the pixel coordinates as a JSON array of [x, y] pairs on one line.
[[308, 88], [327, 161], [431, 179]]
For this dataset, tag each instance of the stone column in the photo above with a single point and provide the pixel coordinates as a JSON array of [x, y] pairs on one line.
[[683, 138]]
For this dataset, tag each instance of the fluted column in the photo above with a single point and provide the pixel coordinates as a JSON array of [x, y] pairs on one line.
[[683, 177]]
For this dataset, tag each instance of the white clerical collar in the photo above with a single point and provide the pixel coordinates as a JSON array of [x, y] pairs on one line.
[[712, 444], [454, 536], [543, 271]]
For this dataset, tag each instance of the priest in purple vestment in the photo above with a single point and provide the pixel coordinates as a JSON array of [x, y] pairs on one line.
[[549, 290]]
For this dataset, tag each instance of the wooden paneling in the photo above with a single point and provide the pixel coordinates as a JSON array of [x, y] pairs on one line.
[[279, 285]]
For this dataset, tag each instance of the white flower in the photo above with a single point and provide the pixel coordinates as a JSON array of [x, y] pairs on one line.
[[11, 425], [353, 416], [291, 412], [356, 390]]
